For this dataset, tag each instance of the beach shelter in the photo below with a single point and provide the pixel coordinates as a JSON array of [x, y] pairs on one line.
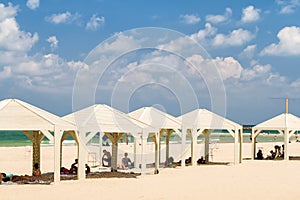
[[285, 123], [111, 122], [204, 121], [16, 115], [162, 121]]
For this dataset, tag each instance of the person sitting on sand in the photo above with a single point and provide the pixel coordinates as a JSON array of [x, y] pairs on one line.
[[188, 161], [106, 158], [87, 169], [271, 156], [74, 167], [277, 151], [169, 162], [201, 160], [282, 154], [36, 170], [259, 155], [126, 162]]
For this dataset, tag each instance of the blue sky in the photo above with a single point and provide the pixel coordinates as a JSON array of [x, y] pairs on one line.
[[254, 44]]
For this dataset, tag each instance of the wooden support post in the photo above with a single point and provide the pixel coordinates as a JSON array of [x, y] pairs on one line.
[[168, 134], [36, 147], [155, 138], [206, 148], [114, 161], [114, 137]]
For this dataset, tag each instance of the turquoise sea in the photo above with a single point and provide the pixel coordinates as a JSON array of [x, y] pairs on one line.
[[17, 138]]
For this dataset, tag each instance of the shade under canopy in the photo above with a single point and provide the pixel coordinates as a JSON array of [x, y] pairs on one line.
[[285, 123], [18, 115], [204, 121]]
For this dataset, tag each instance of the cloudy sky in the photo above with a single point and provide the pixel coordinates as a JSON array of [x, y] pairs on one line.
[[254, 46]]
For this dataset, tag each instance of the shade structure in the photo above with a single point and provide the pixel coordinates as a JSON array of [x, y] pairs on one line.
[[35, 123], [162, 121], [156, 118], [111, 122], [204, 121], [285, 123]]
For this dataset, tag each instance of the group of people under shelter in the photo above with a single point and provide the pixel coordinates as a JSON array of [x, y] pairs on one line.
[[126, 163], [276, 154], [36, 176]]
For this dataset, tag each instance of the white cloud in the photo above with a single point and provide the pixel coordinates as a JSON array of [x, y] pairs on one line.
[[249, 51], [219, 18], [250, 14], [235, 38], [33, 4], [289, 43], [122, 43], [189, 19], [208, 31], [95, 22], [11, 37], [296, 83], [62, 18], [288, 7], [53, 42], [228, 67], [37, 72], [8, 11], [256, 71], [5, 73]]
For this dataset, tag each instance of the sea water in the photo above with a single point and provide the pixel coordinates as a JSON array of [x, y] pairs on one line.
[[18, 138]]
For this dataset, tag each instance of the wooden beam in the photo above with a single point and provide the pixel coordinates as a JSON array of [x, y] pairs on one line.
[[28, 134], [65, 136], [110, 137]]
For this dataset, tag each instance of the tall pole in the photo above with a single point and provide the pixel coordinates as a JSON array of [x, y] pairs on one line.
[[286, 105]]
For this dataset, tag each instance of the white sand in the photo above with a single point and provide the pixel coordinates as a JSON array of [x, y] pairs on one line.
[[249, 180]]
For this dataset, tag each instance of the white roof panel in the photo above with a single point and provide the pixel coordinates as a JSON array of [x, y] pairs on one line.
[[156, 118]]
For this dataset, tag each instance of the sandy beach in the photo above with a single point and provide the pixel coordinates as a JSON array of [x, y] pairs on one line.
[[258, 179]]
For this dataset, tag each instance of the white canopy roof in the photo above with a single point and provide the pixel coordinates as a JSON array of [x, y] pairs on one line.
[[104, 118], [156, 118], [18, 115], [202, 118], [279, 122]]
